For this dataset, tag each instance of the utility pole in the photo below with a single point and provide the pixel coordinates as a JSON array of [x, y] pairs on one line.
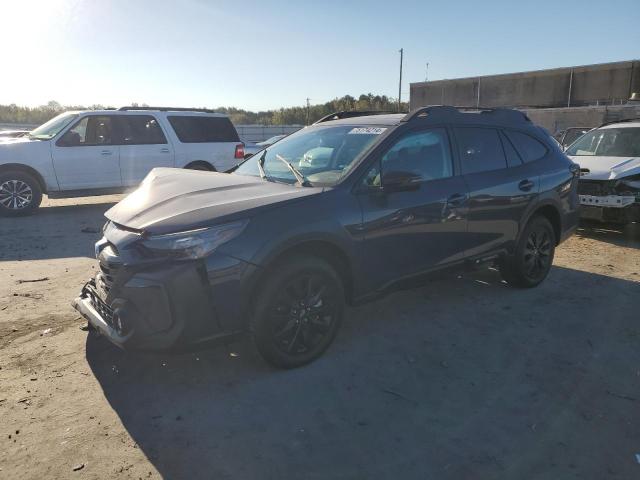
[[400, 83], [426, 75], [308, 110]]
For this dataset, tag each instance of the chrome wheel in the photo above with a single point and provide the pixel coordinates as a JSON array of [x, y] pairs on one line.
[[15, 194]]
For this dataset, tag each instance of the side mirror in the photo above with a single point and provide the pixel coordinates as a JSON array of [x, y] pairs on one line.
[[400, 181]]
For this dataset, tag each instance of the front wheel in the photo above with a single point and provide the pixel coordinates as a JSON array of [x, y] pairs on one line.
[[297, 312], [533, 257], [20, 193]]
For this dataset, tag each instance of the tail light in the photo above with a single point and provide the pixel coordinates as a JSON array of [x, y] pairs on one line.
[[239, 151]]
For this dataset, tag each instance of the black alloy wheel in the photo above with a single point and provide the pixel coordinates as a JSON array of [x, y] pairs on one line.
[[533, 257], [298, 313]]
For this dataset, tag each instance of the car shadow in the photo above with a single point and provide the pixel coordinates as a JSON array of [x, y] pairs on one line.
[[463, 377], [53, 232], [616, 234]]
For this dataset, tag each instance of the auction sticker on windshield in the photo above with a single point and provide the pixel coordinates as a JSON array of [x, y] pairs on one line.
[[367, 130]]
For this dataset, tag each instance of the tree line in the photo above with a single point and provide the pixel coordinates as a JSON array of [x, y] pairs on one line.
[[301, 115]]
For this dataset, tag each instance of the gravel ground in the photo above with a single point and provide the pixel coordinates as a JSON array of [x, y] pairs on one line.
[[462, 378]]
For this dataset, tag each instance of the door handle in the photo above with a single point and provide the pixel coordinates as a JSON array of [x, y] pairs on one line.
[[457, 199], [164, 150], [525, 185], [106, 152]]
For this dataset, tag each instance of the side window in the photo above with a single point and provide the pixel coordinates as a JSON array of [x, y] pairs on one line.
[[141, 130], [89, 131], [480, 150], [528, 147], [425, 153], [513, 159], [200, 129]]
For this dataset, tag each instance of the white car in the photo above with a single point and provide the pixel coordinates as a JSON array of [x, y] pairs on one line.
[[609, 158], [109, 151]]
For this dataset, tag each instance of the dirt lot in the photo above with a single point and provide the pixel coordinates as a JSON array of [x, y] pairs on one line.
[[463, 378]]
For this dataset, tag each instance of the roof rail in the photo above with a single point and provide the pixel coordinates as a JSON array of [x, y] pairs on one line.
[[634, 119], [168, 109], [505, 114], [351, 114]]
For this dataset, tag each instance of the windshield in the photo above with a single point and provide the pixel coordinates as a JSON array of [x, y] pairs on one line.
[[52, 127], [608, 142], [271, 140], [322, 154]]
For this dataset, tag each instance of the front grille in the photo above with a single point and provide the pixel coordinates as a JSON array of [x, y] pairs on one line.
[[104, 310], [108, 274], [109, 267], [590, 187]]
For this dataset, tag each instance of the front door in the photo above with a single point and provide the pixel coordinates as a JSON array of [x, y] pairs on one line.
[[143, 147], [411, 231], [86, 156]]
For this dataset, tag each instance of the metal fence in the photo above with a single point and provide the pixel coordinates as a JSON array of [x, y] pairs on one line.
[[258, 133], [17, 126]]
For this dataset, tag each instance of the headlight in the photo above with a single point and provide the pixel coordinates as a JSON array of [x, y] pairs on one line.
[[633, 181], [194, 243]]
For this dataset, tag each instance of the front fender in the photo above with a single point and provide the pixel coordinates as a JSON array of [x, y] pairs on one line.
[[34, 154]]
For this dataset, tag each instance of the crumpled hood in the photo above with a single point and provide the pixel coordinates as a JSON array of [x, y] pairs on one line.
[[607, 168], [173, 200]]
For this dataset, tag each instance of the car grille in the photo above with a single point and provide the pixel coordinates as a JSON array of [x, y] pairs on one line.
[[587, 187], [108, 274], [109, 266], [104, 310]]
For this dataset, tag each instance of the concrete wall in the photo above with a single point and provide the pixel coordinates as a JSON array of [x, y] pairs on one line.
[[608, 83], [555, 119]]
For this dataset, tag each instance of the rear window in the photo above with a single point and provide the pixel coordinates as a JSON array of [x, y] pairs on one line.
[[480, 150], [528, 147], [513, 159], [192, 129]]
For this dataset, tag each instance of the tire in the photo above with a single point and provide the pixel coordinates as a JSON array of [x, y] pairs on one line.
[[203, 166], [20, 193], [298, 312], [533, 257]]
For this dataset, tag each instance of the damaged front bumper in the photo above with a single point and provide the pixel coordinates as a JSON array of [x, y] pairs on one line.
[[163, 306], [608, 201]]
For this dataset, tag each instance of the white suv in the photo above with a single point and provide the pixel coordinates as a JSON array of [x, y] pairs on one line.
[[109, 151]]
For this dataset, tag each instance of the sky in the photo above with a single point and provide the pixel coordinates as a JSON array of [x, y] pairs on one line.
[[261, 55]]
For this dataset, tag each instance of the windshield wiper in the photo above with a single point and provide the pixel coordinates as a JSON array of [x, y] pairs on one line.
[[302, 180]]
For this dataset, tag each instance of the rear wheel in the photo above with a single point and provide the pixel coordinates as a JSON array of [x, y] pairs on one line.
[[204, 166], [20, 193], [533, 257], [298, 312]]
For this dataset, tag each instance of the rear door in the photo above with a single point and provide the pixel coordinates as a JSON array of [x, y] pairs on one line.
[[205, 138], [500, 185], [86, 156], [407, 232], [144, 146]]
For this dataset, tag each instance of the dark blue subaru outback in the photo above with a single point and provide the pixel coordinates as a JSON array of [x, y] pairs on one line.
[[336, 213]]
